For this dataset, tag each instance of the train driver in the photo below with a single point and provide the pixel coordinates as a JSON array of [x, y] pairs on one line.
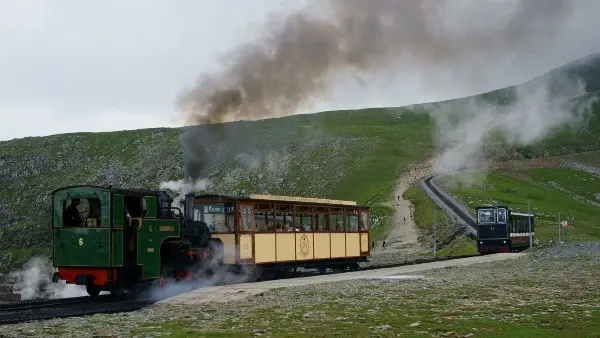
[[127, 215], [130, 239], [71, 217]]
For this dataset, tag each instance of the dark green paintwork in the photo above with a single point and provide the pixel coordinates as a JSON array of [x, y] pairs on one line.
[[82, 192], [150, 237], [151, 206], [82, 247], [117, 206], [117, 246]]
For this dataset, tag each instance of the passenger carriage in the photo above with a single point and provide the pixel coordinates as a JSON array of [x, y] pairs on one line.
[[499, 229], [279, 232]]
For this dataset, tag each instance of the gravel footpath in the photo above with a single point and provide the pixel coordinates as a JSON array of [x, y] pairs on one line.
[[569, 274]]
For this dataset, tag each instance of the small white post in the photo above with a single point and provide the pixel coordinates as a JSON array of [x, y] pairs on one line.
[[559, 228], [529, 219], [569, 225], [435, 237]]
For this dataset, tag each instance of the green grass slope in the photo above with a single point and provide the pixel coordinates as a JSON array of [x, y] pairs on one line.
[[351, 155]]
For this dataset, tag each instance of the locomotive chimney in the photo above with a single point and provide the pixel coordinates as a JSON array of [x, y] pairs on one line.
[[189, 207]]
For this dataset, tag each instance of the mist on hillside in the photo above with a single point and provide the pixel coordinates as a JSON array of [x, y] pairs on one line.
[[465, 128], [302, 56]]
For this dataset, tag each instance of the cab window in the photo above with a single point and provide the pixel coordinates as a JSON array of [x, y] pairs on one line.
[[81, 212], [501, 215]]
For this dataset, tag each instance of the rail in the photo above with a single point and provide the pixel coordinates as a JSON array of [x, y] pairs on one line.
[[24, 311], [468, 220]]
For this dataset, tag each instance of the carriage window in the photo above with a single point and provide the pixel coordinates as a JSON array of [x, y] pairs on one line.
[[364, 221], [320, 219], [501, 215], [303, 218], [284, 219], [303, 222], [284, 222], [351, 220], [320, 216], [246, 218], [216, 216], [81, 212], [264, 221], [264, 217], [336, 220], [486, 216]]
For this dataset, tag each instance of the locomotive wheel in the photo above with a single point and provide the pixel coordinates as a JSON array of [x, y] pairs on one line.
[[92, 290]]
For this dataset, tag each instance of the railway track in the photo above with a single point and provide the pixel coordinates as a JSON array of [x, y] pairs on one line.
[[24, 311], [435, 192]]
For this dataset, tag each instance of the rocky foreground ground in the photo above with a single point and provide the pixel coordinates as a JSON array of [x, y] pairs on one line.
[[550, 292]]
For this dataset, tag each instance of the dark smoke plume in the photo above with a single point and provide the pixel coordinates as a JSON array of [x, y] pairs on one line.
[[302, 54]]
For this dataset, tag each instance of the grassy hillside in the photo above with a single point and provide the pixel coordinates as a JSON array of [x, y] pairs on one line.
[[351, 155], [345, 154]]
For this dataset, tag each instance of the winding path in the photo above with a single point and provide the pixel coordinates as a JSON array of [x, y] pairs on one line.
[[404, 236]]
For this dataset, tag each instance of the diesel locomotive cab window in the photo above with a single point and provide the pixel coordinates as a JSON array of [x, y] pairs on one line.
[[218, 217], [486, 216], [501, 215], [81, 212]]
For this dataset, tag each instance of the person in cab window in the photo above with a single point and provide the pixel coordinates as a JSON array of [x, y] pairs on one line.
[[72, 217], [127, 215], [131, 240]]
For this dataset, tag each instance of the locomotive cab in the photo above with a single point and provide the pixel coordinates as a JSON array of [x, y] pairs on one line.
[[492, 229], [108, 239], [499, 229]]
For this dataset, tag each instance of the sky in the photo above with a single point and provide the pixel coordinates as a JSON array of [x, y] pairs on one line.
[[72, 66]]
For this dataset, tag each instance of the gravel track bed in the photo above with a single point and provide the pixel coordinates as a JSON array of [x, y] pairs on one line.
[[569, 275]]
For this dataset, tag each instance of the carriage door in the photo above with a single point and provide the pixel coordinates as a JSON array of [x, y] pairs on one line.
[[245, 232], [364, 231]]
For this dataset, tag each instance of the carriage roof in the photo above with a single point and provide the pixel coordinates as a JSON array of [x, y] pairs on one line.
[[281, 198]]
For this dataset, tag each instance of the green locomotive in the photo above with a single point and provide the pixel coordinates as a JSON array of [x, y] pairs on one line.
[[125, 237]]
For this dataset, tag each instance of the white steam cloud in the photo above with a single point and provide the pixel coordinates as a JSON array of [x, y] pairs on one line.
[[183, 187], [34, 281], [466, 127], [221, 275]]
